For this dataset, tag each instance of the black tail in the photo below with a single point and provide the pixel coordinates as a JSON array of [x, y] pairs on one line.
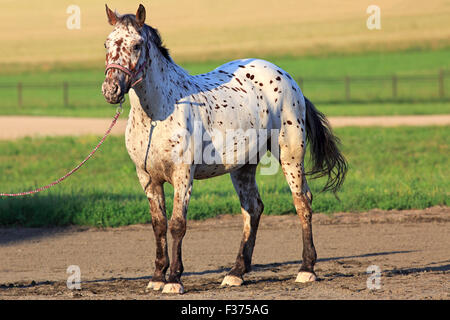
[[327, 160]]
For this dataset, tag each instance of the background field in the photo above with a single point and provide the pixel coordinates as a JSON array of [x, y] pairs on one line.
[[399, 168], [210, 30], [310, 40], [42, 92], [47, 69], [406, 66]]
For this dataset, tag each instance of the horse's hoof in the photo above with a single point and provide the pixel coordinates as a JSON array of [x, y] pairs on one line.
[[304, 276], [155, 285], [231, 281], [173, 288]]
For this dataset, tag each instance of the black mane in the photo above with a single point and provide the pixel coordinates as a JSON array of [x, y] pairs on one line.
[[154, 36]]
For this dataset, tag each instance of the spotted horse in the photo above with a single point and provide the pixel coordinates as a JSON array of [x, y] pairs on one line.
[[168, 105]]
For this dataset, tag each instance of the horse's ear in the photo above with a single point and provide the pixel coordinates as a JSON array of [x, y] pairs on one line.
[[140, 15], [112, 17]]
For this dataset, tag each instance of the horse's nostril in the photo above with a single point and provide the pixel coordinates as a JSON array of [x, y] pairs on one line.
[[115, 88]]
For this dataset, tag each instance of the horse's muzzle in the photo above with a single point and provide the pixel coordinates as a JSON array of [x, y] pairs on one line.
[[112, 91]]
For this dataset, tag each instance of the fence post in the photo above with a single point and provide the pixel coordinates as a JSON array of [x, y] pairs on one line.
[[347, 88], [394, 87], [66, 94], [441, 83], [19, 94]]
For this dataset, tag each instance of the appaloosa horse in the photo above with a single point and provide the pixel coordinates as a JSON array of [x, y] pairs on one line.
[[168, 106]]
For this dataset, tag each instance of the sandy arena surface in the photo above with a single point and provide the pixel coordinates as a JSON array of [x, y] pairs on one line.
[[14, 127], [411, 248]]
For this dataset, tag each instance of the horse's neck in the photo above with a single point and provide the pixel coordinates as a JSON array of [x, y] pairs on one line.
[[159, 92]]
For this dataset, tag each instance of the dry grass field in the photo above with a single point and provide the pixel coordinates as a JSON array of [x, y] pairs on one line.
[[35, 32]]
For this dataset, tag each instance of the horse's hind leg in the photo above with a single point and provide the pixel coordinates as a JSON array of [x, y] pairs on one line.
[[251, 206], [291, 158], [303, 207]]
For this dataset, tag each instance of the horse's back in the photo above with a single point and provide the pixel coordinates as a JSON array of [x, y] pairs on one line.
[[250, 95], [257, 90]]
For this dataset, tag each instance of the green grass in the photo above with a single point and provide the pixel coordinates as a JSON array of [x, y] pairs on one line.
[[329, 109], [390, 168], [384, 109], [424, 62], [86, 100]]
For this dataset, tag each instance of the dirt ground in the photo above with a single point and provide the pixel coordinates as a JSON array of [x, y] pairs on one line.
[[411, 249], [15, 127]]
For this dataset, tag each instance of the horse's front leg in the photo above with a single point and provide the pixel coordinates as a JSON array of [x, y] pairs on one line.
[[182, 182], [155, 194]]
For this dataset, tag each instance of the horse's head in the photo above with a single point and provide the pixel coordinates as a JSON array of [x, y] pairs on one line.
[[125, 54]]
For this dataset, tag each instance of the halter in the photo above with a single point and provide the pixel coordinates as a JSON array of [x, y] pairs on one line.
[[131, 73]]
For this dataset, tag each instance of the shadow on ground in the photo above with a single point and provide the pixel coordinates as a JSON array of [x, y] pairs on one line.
[[256, 267]]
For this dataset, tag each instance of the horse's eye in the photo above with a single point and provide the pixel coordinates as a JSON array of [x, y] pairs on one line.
[[136, 47]]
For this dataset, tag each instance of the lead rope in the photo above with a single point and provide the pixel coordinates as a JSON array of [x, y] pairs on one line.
[[152, 126], [118, 112]]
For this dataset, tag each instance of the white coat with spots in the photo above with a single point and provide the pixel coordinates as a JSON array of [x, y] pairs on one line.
[[170, 109]]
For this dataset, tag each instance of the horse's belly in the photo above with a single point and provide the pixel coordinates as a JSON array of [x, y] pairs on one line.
[[204, 171]]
